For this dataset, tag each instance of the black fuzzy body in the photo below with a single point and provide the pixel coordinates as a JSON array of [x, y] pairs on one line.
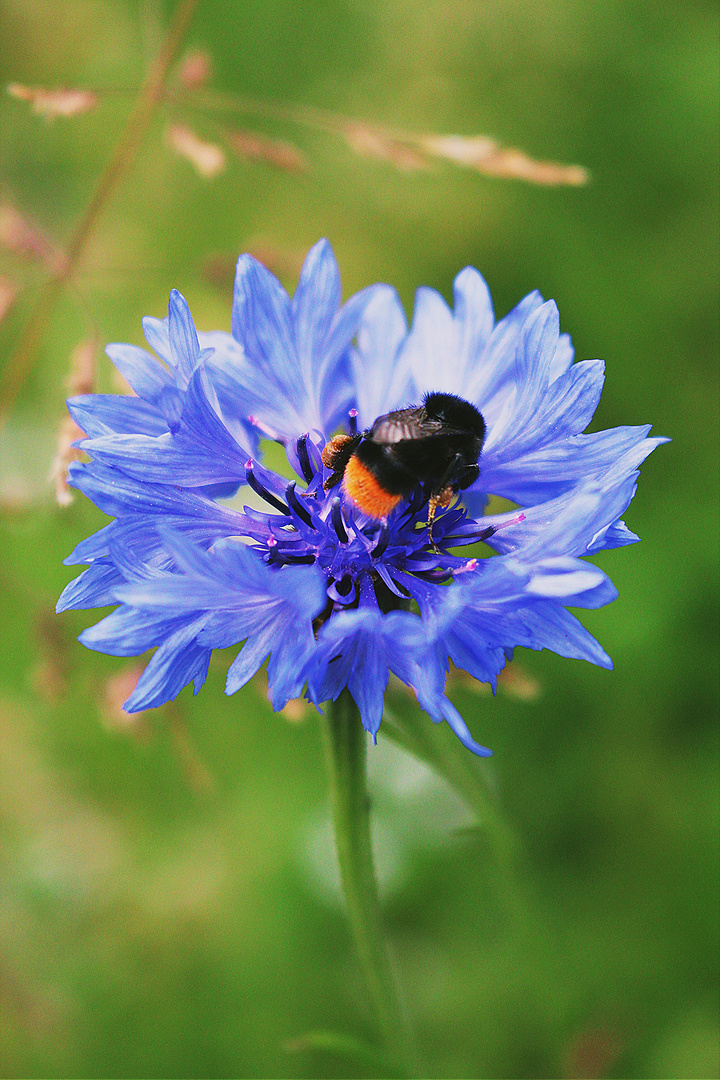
[[437, 443]]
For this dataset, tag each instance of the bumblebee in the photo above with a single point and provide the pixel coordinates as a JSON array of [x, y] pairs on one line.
[[436, 444]]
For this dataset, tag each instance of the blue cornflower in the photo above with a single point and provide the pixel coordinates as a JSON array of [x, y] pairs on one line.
[[333, 597]]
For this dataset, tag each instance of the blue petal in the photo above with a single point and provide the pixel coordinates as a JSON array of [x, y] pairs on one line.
[[346, 324], [358, 648], [93, 588], [92, 547], [616, 535], [183, 336], [170, 403], [253, 653], [315, 303], [553, 627], [287, 665], [563, 578], [177, 662], [107, 414], [546, 416], [538, 343], [298, 349], [496, 366], [368, 680], [117, 493], [227, 595], [462, 731], [546, 473], [431, 349], [564, 356], [262, 316], [129, 631], [146, 376], [157, 335], [381, 378], [578, 522], [473, 313], [202, 452]]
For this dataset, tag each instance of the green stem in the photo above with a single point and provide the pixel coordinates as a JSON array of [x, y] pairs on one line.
[[433, 744], [346, 746]]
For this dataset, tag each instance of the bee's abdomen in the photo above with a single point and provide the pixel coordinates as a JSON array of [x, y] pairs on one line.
[[366, 492]]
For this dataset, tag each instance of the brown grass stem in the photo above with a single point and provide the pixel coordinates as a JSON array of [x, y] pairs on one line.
[[122, 157]]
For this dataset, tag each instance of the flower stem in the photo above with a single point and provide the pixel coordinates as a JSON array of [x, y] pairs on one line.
[[345, 742]]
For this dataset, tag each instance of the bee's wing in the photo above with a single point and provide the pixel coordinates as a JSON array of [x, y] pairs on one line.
[[405, 424]]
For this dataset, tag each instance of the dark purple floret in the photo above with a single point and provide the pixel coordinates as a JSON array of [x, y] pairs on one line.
[[362, 560]]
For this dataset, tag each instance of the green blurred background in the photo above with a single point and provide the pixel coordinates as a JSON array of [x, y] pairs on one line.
[[168, 904]]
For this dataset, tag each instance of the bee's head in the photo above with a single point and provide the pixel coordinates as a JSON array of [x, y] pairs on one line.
[[455, 412]]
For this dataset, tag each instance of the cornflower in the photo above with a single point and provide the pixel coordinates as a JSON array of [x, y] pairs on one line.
[[334, 597]]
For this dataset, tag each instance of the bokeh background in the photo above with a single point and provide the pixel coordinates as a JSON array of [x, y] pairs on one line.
[[168, 905]]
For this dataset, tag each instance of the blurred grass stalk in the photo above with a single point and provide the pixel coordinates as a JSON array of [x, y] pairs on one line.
[[120, 161], [405, 150]]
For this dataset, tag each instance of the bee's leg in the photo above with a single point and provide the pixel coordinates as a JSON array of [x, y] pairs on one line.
[[441, 498], [333, 480], [335, 455], [445, 478]]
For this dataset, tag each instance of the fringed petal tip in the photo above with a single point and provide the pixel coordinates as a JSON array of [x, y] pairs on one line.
[[460, 728]]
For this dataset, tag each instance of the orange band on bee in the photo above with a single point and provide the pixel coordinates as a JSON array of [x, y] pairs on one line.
[[364, 490]]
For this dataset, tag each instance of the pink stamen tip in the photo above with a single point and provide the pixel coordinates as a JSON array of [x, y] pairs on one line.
[[249, 463], [471, 564], [252, 419], [271, 541], [353, 413], [511, 521]]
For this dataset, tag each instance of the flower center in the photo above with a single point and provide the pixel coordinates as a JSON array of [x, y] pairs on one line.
[[364, 560]]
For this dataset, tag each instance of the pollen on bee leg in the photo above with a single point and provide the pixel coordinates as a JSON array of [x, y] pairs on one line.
[[335, 456], [332, 450], [442, 499], [445, 497]]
